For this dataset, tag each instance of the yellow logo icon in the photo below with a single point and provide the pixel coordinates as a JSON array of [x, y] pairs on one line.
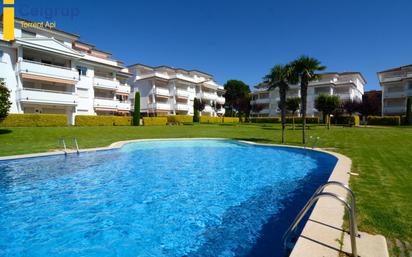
[[8, 20]]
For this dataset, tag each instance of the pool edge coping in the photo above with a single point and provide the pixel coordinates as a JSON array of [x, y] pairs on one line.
[[340, 173]]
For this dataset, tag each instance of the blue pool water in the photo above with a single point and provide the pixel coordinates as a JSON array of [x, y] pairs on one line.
[[157, 198]]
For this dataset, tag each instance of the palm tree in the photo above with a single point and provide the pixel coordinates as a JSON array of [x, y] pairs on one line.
[[304, 70], [279, 77]]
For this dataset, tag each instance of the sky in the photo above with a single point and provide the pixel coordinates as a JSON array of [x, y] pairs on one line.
[[236, 39]]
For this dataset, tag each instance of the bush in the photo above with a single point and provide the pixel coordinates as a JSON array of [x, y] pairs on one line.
[[181, 119], [34, 120], [265, 120], [154, 121], [384, 120], [210, 120], [230, 120], [344, 120], [136, 112], [94, 120], [309, 120]]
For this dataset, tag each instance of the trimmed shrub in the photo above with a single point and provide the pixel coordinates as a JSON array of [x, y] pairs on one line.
[[384, 120], [94, 120], [154, 121], [34, 120], [309, 120], [210, 120], [230, 120], [344, 120], [136, 113], [181, 119], [265, 120]]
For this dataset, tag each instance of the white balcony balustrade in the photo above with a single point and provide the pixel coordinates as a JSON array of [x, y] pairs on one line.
[[106, 83], [182, 93], [220, 100], [182, 107], [208, 96], [123, 89], [395, 94], [47, 70], [159, 106], [32, 95], [394, 109], [161, 91], [107, 103]]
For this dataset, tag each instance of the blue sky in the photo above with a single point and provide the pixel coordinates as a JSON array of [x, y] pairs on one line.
[[235, 39]]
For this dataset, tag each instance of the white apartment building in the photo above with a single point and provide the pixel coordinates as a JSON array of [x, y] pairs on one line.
[[52, 72], [346, 85], [171, 91], [396, 88]]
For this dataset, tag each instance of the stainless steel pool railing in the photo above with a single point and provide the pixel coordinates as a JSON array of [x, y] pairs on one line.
[[77, 145], [351, 208], [63, 143], [315, 143], [307, 141]]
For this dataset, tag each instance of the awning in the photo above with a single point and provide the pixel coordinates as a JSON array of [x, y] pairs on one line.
[[48, 79]]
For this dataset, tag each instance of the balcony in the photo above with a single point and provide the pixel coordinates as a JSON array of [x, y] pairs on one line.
[[42, 71], [262, 101], [124, 106], [32, 95], [343, 96], [182, 93], [123, 89], [159, 106], [106, 83], [159, 91], [396, 94], [208, 108], [220, 100], [182, 107], [394, 109], [208, 96], [109, 103]]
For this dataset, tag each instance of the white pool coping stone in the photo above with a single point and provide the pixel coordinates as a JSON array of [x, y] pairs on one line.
[[321, 234]]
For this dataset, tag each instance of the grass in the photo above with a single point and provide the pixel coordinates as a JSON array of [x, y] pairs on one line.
[[382, 156]]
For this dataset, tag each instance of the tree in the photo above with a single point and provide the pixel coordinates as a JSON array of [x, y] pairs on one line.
[[236, 96], [136, 113], [351, 107], [279, 77], [5, 103], [198, 106], [408, 110], [292, 105], [304, 70], [371, 104], [257, 107], [327, 104]]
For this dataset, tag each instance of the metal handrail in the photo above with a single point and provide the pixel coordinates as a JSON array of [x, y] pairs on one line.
[[76, 144], [315, 142], [307, 141], [62, 142], [353, 229]]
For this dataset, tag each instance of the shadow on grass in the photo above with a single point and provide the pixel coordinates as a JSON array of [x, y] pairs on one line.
[[256, 140], [5, 131]]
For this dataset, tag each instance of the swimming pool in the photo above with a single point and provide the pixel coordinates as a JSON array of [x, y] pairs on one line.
[[157, 198]]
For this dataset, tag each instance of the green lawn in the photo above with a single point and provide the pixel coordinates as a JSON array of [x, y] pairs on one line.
[[381, 155]]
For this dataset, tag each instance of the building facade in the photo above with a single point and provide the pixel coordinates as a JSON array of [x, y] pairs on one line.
[[346, 85], [52, 72], [170, 91], [396, 87]]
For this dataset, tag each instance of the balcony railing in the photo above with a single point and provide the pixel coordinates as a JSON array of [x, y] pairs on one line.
[[396, 94], [108, 103], [182, 107], [123, 89], [220, 100], [394, 109], [33, 95], [48, 70], [208, 96], [106, 83], [161, 91], [159, 106], [182, 93]]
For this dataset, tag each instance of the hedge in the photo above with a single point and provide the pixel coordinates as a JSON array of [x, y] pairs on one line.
[[94, 120], [230, 120], [181, 119], [265, 120], [154, 121], [34, 120], [309, 120], [210, 120], [384, 120], [344, 120]]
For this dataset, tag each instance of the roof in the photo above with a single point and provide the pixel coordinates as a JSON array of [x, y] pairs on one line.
[[169, 67], [345, 73], [396, 69]]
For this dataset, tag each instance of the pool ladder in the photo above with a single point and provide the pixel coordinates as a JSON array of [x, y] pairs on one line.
[[351, 208], [315, 142], [62, 142]]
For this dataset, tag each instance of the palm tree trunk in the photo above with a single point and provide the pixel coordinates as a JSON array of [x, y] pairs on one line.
[[303, 94]]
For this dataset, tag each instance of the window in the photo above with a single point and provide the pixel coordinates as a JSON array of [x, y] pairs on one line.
[[25, 33], [82, 70]]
